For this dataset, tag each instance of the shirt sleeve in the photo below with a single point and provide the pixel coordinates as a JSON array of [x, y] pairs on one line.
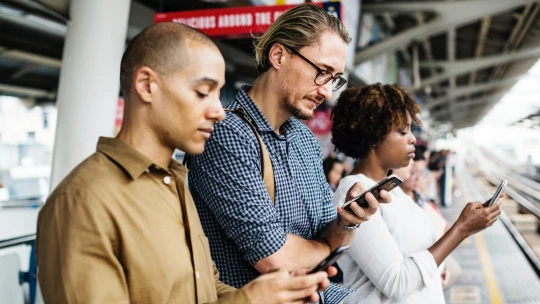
[[378, 255], [75, 255], [227, 177], [329, 212], [227, 294]]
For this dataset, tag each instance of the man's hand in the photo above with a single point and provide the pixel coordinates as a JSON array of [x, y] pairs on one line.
[[330, 271], [284, 287], [361, 214]]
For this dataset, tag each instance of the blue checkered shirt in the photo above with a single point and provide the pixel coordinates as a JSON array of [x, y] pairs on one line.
[[236, 211]]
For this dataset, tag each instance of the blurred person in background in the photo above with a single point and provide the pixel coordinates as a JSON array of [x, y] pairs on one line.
[[394, 257], [334, 170], [435, 165]]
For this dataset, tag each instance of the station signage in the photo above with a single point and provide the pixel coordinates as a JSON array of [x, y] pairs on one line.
[[236, 21]]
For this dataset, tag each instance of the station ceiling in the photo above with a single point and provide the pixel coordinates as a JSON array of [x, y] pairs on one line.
[[464, 54]]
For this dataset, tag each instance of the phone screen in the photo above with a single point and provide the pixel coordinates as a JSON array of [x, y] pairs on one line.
[[497, 193], [330, 260], [388, 184]]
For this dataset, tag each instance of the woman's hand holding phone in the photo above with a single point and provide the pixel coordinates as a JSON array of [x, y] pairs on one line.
[[359, 214], [476, 217]]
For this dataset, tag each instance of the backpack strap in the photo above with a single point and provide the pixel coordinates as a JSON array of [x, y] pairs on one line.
[[266, 163]]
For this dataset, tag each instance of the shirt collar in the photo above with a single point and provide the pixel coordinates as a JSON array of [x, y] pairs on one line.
[[133, 162], [252, 110]]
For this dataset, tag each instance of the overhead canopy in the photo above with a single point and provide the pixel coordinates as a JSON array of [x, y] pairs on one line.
[[469, 52], [466, 54]]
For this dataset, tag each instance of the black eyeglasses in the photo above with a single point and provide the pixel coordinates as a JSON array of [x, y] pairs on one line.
[[323, 76]]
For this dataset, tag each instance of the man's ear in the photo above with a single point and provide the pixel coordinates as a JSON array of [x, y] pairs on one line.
[[144, 80], [276, 55]]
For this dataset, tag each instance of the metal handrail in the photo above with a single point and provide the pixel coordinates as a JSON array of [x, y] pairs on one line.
[[533, 208], [530, 255], [21, 203], [494, 174], [22, 240]]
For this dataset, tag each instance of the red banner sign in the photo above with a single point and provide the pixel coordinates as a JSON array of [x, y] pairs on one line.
[[235, 21]]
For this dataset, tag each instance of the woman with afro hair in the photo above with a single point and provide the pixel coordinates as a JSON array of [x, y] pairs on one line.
[[394, 256]]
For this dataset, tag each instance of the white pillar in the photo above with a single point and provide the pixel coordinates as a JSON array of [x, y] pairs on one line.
[[89, 80]]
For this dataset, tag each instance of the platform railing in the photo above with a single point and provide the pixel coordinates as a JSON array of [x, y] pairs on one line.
[[11, 291], [518, 186], [516, 235], [494, 174], [22, 240], [21, 203]]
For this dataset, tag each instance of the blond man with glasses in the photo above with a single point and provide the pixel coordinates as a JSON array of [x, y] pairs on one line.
[[292, 224]]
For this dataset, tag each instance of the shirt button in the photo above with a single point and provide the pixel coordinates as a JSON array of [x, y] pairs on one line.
[[197, 274], [167, 180]]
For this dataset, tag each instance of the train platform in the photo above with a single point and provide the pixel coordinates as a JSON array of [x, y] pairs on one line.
[[494, 267]]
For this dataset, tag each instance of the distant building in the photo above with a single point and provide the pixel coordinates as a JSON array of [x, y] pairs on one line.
[[26, 144]]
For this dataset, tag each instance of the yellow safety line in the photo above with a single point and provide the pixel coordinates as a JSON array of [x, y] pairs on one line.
[[487, 269], [485, 262]]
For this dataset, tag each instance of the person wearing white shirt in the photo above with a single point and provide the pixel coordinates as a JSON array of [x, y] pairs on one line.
[[394, 256]]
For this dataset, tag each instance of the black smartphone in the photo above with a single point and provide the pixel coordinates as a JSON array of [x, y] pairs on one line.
[[388, 184], [330, 260], [498, 192]]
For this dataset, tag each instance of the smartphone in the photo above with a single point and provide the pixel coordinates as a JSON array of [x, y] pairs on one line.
[[388, 184], [330, 260], [497, 193]]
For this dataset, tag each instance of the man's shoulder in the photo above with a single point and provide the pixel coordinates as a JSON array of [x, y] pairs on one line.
[[94, 175], [233, 130], [301, 128], [304, 133]]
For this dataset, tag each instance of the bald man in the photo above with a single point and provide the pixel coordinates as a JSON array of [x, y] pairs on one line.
[[122, 226]]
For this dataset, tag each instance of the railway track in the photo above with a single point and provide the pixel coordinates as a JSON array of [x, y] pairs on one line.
[[521, 214]]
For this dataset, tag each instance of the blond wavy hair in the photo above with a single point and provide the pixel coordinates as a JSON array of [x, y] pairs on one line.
[[298, 27]]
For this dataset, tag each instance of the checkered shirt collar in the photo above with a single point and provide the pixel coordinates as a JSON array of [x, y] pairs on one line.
[[255, 113]]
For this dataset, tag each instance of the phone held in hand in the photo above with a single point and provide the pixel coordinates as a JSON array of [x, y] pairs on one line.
[[497, 193], [388, 184], [330, 260]]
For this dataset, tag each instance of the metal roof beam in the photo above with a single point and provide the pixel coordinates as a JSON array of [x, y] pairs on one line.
[[466, 90], [449, 14], [482, 35], [459, 67], [38, 59], [466, 122], [427, 46], [464, 106], [513, 42], [6, 89]]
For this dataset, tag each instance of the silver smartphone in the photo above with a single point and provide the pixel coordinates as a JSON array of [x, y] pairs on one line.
[[497, 193], [388, 184]]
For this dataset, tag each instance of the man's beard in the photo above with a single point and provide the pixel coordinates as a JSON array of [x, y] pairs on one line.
[[297, 111]]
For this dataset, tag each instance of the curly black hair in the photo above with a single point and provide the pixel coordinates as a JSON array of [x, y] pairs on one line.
[[364, 116]]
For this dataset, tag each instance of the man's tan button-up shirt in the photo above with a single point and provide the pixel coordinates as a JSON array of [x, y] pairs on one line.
[[120, 229]]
